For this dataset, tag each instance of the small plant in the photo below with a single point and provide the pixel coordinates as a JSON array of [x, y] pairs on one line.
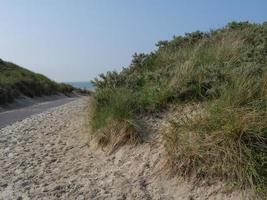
[[118, 133]]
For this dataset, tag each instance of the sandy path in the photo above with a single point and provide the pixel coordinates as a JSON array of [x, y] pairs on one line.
[[13, 115], [47, 156]]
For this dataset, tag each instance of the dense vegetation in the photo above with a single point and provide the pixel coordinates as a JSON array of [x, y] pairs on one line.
[[224, 70], [16, 81]]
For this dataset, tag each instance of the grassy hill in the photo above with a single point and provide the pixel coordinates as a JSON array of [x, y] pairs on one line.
[[224, 71], [16, 81]]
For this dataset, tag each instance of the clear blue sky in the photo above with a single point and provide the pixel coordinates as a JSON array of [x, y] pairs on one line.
[[75, 40]]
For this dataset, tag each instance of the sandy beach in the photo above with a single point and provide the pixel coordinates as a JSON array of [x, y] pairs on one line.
[[50, 156]]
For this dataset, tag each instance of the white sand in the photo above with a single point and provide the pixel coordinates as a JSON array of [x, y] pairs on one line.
[[47, 156]]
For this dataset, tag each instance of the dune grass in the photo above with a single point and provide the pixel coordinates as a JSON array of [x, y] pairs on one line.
[[225, 70], [227, 139]]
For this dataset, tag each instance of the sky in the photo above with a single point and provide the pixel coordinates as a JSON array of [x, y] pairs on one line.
[[75, 40]]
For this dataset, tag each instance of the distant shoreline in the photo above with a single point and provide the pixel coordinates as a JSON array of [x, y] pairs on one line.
[[81, 84]]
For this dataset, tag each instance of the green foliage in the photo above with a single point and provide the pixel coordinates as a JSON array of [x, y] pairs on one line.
[[16, 82], [225, 69], [115, 104], [196, 66]]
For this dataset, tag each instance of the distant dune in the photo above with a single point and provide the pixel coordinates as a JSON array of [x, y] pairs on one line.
[[16, 82]]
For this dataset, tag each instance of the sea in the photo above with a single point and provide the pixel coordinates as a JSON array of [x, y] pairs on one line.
[[82, 84]]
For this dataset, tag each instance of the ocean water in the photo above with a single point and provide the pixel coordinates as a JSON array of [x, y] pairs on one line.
[[81, 84]]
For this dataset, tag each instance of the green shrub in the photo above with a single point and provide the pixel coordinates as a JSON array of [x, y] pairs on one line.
[[113, 104]]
